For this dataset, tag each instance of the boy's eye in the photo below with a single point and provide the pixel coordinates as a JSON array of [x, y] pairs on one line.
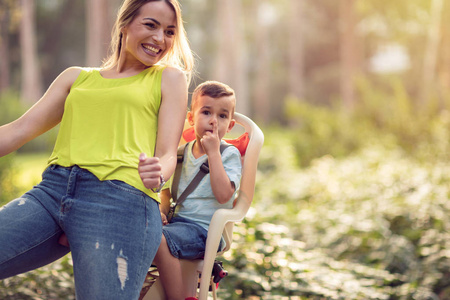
[[223, 116], [205, 112]]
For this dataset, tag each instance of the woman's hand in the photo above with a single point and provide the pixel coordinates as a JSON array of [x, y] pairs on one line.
[[149, 169]]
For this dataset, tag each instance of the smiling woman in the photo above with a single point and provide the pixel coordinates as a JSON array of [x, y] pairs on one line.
[[99, 191], [147, 38], [179, 55]]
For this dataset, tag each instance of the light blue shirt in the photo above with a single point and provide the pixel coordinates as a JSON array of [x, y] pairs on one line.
[[201, 204]]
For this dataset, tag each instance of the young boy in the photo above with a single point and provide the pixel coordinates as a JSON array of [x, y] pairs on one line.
[[211, 115]]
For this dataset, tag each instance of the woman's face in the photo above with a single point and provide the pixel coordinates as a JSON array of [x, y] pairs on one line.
[[150, 36]]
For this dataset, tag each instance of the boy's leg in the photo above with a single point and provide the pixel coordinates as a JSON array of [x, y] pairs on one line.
[[28, 237], [114, 232], [182, 239], [169, 269]]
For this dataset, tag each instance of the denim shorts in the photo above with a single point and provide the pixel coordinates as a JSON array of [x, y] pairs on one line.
[[185, 238]]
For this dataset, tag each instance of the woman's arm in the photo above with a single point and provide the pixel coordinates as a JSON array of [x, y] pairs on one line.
[[172, 113], [41, 117]]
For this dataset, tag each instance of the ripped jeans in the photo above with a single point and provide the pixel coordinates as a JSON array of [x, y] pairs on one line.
[[113, 229]]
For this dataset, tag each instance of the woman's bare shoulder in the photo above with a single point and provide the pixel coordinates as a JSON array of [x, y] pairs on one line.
[[171, 73], [67, 77], [71, 72]]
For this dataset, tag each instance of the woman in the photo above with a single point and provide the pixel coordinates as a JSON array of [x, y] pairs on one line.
[[120, 127]]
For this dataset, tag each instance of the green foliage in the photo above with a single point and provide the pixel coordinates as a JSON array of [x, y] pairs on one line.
[[7, 186], [10, 108], [52, 282], [318, 131], [388, 110], [383, 115], [370, 226], [349, 206]]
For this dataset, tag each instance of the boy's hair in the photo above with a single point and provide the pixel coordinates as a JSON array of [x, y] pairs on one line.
[[213, 89]]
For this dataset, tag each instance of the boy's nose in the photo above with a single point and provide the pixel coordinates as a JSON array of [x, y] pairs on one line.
[[213, 120]]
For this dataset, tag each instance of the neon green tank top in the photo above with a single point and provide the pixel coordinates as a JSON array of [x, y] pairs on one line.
[[107, 123]]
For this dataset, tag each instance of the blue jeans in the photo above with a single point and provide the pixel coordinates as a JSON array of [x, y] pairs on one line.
[[113, 229], [185, 238]]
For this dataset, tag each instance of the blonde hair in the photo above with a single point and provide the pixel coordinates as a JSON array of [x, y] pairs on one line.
[[180, 56]]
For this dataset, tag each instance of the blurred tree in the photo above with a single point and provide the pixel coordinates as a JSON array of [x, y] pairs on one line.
[[320, 43], [58, 41], [403, 25], [443, 68], [431, 50], [296, 54], [262, 83], [4, 52], [348, 52], [6, 7], [231, 66], [31, 79], [98, 30], [266, 50]]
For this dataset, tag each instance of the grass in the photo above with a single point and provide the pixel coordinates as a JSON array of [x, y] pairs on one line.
[[29, 168]]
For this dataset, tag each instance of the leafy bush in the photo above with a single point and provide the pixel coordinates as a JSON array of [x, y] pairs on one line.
[[349, 205], [10, 109], [7, 185], [52, 282], [371, 226], [380, 117]]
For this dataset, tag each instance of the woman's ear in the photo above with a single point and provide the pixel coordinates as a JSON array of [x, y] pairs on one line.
[[123, 32]]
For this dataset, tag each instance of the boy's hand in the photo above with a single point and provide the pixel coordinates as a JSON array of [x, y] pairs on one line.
[[164, 219], [149, 169], [211, 141]]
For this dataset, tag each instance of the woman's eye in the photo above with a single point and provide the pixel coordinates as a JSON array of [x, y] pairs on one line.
[[170, 32], [150, 25]]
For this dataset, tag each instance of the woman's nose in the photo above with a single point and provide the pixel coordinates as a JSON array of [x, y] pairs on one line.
[[158, 36]]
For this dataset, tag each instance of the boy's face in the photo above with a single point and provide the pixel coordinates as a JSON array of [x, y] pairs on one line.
[[209, 112]]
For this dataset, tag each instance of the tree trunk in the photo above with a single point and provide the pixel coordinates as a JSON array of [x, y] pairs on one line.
[[444, 71], [31, 81], [347, 52], [231, 65], [295, 50], [431, 50], [5, 75], [261, 88], [97, 31]]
